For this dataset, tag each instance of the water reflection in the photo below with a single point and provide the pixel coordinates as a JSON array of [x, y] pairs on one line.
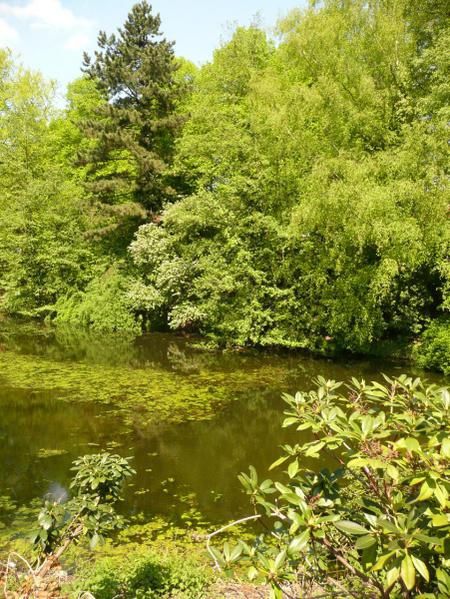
[[180, 466]]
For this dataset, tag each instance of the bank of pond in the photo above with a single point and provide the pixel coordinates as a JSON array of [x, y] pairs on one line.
[[190, 421]]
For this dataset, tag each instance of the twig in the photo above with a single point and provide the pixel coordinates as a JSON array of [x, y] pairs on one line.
[[30, 569], [350, 568], [54, 558], [223, 529], [343, 589]]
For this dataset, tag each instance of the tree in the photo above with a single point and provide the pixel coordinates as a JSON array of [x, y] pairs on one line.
[[26, 107], [42, 251], [318, 216], [134, 130]]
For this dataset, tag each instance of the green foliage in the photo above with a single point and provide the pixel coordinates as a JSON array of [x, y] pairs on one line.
[[318, 213], [43, 254], [433, 349], [90, 513], [148, 576], [83, 100], [291, 194], [381, 517], [102, 306], [134, 129], [100, 475]]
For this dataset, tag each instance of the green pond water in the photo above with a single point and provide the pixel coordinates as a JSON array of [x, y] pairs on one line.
[[191, 420]]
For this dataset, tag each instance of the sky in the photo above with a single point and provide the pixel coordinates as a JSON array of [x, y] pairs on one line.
[[50, 35]]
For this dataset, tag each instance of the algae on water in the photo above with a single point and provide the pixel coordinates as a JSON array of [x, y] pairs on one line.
[[139, 395]]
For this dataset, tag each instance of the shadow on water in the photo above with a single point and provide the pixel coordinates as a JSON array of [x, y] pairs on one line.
[[191, 420]]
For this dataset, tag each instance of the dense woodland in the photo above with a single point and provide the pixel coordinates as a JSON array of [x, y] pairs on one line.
[[292, 192]]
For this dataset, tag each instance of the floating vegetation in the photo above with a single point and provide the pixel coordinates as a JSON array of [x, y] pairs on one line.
[[139, 395], [50, 453]]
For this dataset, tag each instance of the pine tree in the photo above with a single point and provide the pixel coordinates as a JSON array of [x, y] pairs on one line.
[[135, 127]]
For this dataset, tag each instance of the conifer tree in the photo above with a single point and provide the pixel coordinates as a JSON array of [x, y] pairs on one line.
[[134, 129]]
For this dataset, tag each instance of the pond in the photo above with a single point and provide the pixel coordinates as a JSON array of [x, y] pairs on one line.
[[190, 419]]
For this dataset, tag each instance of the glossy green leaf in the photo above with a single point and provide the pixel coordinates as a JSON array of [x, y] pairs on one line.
[[300, 542], [365, 542], [351, 528], [408, 572], [421, 567]]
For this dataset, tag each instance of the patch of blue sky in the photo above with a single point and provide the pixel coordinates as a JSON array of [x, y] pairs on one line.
[[51, 35]]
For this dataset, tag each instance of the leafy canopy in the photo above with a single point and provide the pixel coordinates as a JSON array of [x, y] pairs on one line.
[[135, 71]]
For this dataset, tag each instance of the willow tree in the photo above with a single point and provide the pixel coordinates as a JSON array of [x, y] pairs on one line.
[[319, 212]]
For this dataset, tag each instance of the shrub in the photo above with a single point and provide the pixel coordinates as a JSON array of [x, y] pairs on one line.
[[377, 523], [88, 514], [103, 306], [433, 351], [145, 576]]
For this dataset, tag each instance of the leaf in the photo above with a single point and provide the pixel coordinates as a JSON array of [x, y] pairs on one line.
[[441, 495], [357, 463], [253, 475], [279, 462], [313, 450], [280, 559], [94, 541], [275, 593], [421, 567], [392, 576], [392, 472], [410, 444], [416, 480], [282, 488], [367, 425], [365, 542], [304, 426], [300, 542], [443, 578], [369, 556], [350, 528], [252, 573], [439, 520], [366, 462], [227, 551], [266, 485], [387, 525], [408, 572], [236, 553], [446, 398], [46, 521], [293, 498], [218, 556], [426, 491], [293, 469], [382, 561], [445, 448]]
